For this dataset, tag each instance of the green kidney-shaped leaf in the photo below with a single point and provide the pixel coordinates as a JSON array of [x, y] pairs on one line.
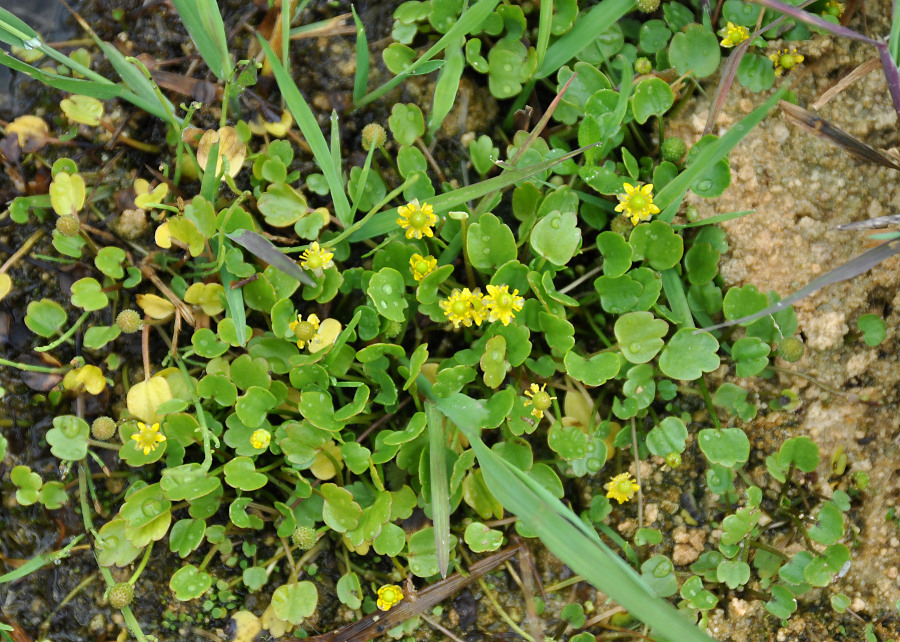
[[726, 446], [241, 473], [189, 582], [688, 355], [68, 438], [668, 437], [695, 50], [594, 371], [386, 288], [45, 317], [640, 335], [651, 97], [556, 237], [490, 243]]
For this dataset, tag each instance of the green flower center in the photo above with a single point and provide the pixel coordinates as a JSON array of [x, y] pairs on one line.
[[314, 261], [638, 202], [459, 308], [504, 301], [786, 61], [422, 267], [623, 486], [736, 37], [418, 219], [541, 400], [304, 331]]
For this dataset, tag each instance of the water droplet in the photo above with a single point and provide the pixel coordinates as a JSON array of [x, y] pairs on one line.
[[634, 347], [70, 429], [387, 289], [555, 223], [507, 67], [383, 304], [151, 507], [704, 185]]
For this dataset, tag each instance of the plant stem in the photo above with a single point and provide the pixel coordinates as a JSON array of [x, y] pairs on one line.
[[67, 334], [140, 569], [701, 383]]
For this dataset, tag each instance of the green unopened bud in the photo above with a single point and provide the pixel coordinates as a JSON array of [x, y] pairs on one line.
[[643, 66], [673, 460], [373, 134]]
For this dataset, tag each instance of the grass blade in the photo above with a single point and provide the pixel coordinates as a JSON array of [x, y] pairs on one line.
[[263, 248], [17, 33], [468, 21], [854, 267], [675, 189], [362, 59], [561, 530], [585, 31], [440, 489], [101, 91], [384, 222], [309, 127], [204, 24], [447, 85], [543, 38]]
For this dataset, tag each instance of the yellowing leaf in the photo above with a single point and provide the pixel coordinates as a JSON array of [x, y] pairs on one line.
[[155, 306], [89, 378], [230, 147], [323, 467], [145, 196], [82, 109], [145, 397], [32, 132], [278, 129], [328, 333], [5, 285], [163, 237], [207, 295], [67, 194]]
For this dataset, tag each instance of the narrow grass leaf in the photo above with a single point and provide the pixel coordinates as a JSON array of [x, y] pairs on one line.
[[384, 222], [262, 248], [543, 39], [440, 489], [101, 91], [306, 121], [678, 304], [38, 561], [363, 179], [469, 20], [362, 59], [447, 85], [16, 32], [561, 530], [234, 301], [854, 267], [585, 31], [675, 189], [204, 24]]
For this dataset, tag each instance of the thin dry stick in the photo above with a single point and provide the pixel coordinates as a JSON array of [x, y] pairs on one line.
[[637, 474], [437, 626], [863, 70], [22, 251]]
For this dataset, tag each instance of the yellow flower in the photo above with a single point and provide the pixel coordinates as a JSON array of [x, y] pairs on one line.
[[316, 259], [260, 438], [833, 8], [733, 35], [622, 487], [260, 126], [502, 305], [421, 266], [479, 311], [389, 595], [458, 307], [304, 331], [148, 437], [539, 398], [416, 219], [785, 60], [637, 203]]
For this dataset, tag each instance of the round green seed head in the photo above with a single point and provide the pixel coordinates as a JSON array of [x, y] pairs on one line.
[[373, 134], [643, 66], [103, 428], [791, 349], [68, 225], [673, 460], [129, 321], [304, 537], [121, 595], [647, 6], [673, 150]]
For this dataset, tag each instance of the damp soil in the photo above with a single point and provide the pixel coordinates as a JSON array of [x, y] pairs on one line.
[[800, 188]]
